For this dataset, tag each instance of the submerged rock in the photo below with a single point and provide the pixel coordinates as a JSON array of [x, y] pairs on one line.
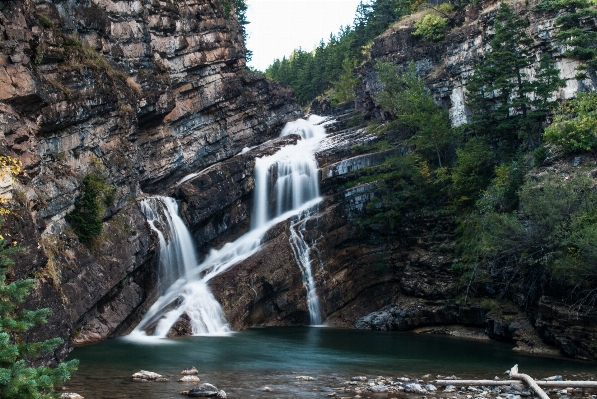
[[203, 391], [189, 378], [304, 378]]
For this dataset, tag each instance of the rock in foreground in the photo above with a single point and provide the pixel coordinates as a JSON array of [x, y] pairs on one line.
[[203, 391]]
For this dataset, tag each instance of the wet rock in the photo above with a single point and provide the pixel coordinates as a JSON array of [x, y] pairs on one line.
[[414, 387], [189, 378], [304, 378], [222, 395], [146, 375], [190, 371], [266, 389], [359, 378], [450, 388], [430, 387], [71, 396], [203, 391], [553, 378], [182, 327]]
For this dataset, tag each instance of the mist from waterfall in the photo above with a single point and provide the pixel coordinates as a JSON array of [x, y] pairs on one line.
[[286, 185]]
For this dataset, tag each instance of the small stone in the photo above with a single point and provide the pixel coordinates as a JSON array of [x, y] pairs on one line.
[[71, 395], [430, 387], [553, 378], [162, 379], [222, 395], [304, 378], [190, 371], [450, 388], [189, 378], [331, 395], [186, 393], [266, 389], [452, 377], [379, 389], [359, 378]]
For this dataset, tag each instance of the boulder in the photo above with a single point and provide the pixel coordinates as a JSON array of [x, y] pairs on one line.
[[147, 376], [203, 391]]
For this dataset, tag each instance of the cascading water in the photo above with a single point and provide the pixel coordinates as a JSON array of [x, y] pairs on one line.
[[286, 185], [302, 253]]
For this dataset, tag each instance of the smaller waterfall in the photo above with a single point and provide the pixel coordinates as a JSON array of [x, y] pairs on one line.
[[177, 256], [178, 266], [302, 254]]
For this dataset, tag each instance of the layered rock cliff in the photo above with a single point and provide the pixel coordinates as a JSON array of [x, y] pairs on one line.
[[447, 65], [139, 92]]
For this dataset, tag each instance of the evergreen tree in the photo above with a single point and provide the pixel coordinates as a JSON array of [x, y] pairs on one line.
[[575, 32], [506, 102], [18, 379]]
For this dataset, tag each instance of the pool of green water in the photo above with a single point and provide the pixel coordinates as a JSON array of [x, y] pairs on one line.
[[243, 363]]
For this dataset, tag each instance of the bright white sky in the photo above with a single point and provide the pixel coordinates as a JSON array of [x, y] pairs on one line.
[[279, 26]]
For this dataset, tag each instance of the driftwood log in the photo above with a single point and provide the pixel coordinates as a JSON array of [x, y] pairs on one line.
[[517, 378]]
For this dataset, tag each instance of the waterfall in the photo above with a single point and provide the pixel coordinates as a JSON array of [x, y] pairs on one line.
[[286, 186], [302, 254]]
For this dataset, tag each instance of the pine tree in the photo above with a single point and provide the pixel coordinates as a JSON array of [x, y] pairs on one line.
[[18, 379], [499, 89], [575, 31]]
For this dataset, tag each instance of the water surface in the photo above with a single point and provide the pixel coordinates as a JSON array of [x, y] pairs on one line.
[[245, 362]]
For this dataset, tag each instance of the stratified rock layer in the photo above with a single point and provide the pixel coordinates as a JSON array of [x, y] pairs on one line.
[[141, 92]]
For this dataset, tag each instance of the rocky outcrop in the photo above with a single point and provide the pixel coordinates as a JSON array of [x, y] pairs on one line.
[[447, 65], [140, 92]]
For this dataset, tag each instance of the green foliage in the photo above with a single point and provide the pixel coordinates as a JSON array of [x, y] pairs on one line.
[[575, 125], [549, 237], [45, 21], [240, 10], [501, 91], [540, 155], [312, 73], [86, 219], [431, 27], [18, 379], [344, 88], [408, 100], [473, 170], [575, 30]]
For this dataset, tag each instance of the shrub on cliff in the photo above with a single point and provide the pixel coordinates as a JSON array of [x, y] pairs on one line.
[[86, 219], [575, 125], [431, 27], [18, 379]]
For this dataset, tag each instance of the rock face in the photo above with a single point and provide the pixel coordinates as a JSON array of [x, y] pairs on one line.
[[446, 66], [142, 93]]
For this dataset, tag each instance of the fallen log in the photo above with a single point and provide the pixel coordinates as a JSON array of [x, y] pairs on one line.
[[494, 383], [530, 382], [518, 377]]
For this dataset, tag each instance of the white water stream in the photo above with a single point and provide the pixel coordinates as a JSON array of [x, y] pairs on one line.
[[286, 185]]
